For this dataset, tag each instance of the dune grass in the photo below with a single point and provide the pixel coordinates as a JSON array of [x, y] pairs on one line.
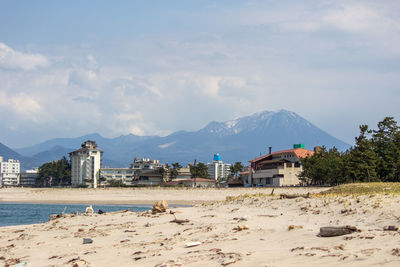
[[356, 189], [363, 189]]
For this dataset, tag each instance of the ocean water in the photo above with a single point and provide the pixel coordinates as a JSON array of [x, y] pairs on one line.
[[22, 213]]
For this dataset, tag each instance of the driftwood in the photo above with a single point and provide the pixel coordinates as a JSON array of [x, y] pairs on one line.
[[391, 228], [178, 221], [294, 196], [330, 231]]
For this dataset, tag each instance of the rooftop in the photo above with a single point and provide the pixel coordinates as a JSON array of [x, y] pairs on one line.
[[299, 152]]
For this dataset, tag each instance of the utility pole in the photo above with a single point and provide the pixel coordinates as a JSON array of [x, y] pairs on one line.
[[195, 172]]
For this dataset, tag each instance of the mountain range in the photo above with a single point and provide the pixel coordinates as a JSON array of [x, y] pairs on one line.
[[241, 139]]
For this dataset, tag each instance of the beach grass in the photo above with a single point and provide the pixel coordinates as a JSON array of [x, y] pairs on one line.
[[363, 189], [353, 189]]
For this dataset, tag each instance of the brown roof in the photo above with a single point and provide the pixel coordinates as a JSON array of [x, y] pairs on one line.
[[299, 152]]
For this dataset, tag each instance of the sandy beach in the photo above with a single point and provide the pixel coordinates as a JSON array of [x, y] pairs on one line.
[[244, 231], [186, 196]]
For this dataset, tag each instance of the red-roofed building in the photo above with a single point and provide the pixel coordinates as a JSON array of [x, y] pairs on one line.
[[279, 168]]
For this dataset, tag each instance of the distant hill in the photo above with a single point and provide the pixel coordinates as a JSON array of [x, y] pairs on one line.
[[8, 153], [236, 140]]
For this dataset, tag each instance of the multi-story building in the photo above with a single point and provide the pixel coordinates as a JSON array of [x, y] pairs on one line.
[[28, 178], [145, 164], [126, 175], [280, 168], [217, 169], [86, 164], [9, 172]]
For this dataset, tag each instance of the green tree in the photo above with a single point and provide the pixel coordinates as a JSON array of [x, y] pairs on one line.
[[384, 140], [116, 183], [55, 173], [175, 170], [324, 167], [200, 170], [236, 169], [362, 159]]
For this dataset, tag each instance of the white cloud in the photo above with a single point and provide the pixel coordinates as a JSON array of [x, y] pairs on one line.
[[26, 107], [315, 59], [167, 145], [11, 59]]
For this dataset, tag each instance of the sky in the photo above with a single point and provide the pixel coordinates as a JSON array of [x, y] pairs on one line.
[[70, 68]]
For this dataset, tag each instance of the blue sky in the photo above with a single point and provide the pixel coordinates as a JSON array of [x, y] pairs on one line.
[[69, 68]]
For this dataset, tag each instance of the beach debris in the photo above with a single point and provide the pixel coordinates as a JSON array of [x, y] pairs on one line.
[[21, 264], [63, 212], [293, 227], [119, 211], [321, 248], [192, 244], [12, 261], [241, 228], [267, 215], [160, 207], [228, 262], [390, 228], [101, 211], [179, 221], [74, 259], [330, 231], [396, 252], [54, 216], [243, 218], [288, 196], [87, 241], [296, 248], [89, 210], [339, 247]]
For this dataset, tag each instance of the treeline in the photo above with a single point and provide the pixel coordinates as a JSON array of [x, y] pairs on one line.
[[55, 173], [375, 157]]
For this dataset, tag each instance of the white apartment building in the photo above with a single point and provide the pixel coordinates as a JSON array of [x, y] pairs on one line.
[[126, 175], [86, 164], [217, 169], [9, 172]]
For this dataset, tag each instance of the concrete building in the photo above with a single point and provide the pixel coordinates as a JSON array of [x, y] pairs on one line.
[[28, 178], [280, 168], [218, 170], [145, 164], [9, 172], [85, 165], [150, 177], [126, 175]]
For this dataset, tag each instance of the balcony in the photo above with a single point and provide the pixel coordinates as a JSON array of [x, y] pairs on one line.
[[267, 173]]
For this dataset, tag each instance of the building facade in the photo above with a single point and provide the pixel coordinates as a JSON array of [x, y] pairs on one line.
[[125, 175], [145, 164], [280, 168], [9, 172], [218, 170], [28, 178], [85, 165]]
